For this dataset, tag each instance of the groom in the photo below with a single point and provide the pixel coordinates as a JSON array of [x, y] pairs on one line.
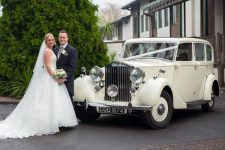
[[67, 60]]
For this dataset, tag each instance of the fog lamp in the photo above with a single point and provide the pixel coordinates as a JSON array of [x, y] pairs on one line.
[[112, 90]]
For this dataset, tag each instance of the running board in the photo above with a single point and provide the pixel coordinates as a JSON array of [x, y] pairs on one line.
[[196, 103]]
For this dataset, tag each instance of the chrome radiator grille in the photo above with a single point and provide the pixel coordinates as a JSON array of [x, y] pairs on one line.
[[118, 75]]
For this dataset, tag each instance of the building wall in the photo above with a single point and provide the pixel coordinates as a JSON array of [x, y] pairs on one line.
[[114, 47], [135, 17], [219, 16], [163, 31], [211, 17], [197, 18], [174, 28], [193, 18], [115, 38], [145, 33], [127, 30]]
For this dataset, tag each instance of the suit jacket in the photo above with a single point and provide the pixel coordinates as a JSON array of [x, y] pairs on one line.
[[68, 61]]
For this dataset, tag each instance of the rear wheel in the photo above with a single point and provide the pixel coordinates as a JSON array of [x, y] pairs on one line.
[[161, 114], [209, 106], [86, 115]]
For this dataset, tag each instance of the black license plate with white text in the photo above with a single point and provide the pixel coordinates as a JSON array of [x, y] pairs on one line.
[[109, 110]]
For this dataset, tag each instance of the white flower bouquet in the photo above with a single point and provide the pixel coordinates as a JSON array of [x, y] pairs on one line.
[[60, 74]]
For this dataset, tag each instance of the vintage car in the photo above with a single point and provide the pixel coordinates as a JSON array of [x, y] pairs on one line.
[[154, 77]]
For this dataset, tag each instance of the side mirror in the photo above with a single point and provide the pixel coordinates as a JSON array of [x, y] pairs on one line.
[[162, 70]]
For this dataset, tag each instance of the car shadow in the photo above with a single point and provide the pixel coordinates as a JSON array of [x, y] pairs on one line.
[[135, 122]]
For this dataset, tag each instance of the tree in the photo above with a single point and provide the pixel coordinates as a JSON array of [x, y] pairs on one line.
[[24, 24], [107, 29], [111, 13], [107, 15]]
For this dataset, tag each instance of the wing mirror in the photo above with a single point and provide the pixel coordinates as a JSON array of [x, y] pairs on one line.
[[162, 70]]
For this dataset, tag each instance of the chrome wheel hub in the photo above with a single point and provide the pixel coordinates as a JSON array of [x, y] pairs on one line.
[[161, 109]]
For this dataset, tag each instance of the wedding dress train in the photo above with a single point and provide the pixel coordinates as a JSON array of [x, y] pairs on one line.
[[45, 107]]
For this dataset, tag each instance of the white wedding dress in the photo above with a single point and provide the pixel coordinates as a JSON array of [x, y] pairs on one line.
[[45, 107]]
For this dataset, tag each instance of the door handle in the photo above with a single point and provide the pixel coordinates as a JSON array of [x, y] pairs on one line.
[[175, 67], [195, 66]]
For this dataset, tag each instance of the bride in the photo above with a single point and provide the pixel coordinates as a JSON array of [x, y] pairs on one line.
[[46, 105]]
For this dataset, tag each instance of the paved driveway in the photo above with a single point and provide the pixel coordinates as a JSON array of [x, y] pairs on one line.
[[188, 127]]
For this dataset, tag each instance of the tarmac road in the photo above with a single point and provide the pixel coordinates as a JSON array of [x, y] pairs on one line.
[[189, 129]]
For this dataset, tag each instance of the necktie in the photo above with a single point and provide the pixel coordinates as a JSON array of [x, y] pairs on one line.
[[60, 51]]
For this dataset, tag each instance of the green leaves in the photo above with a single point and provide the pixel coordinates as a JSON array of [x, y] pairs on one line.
[[24, 25], [17, 87]]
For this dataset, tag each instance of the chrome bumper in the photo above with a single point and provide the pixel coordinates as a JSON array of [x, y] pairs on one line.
[[113, 109]]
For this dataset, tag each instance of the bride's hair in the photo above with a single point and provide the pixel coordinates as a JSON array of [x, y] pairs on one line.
[[49, 35]]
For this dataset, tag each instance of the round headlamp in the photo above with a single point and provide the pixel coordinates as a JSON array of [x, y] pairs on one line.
[[112, 91], [96, 74], [137, 76]]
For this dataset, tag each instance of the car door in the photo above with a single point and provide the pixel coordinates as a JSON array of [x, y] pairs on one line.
[[200, 69], [184, 72], [209, 59]]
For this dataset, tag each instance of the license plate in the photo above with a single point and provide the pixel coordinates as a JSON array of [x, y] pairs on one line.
[[119, 111], [108, 110]]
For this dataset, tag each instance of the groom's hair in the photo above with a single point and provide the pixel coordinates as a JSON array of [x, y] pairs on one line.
[[64, 31]]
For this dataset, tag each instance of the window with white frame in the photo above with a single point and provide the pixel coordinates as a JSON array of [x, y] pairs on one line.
[[115, 30], [208, 53], [173, 14], [199, 52]]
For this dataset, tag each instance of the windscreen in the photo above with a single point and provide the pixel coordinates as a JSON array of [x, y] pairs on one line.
[[152, 50]]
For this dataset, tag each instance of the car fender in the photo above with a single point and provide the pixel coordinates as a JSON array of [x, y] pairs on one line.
[[208, 86], [150, 91], [82, 86]]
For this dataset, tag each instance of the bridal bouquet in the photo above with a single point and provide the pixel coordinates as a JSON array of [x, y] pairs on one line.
[[60, 74]]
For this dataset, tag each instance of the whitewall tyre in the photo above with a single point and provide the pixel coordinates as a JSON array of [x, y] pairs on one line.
[[161, 114]]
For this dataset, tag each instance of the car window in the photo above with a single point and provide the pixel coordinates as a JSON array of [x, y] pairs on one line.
[[208, 53], [184, 52], [199, 52], [165, 54], [160, 50]]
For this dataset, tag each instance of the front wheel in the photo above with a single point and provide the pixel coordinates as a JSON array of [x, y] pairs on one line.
[[161, 114], [86, 115]]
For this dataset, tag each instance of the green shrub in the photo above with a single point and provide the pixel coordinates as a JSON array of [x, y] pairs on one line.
[[25, 22], [17, 87]]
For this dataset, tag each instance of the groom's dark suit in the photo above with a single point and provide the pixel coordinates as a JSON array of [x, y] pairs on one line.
[[68, 61]]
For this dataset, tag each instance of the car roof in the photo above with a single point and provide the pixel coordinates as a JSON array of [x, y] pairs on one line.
[[169, 40]]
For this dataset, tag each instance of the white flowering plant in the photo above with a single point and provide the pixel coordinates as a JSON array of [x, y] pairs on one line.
[[60, 74]]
